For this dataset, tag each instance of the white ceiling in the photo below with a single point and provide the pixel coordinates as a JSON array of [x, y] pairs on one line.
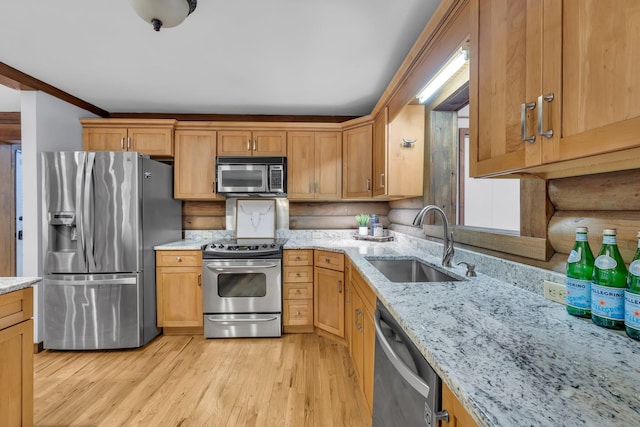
[[299, 57]]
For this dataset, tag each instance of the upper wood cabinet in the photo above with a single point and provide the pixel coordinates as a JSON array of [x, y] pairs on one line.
[[252, 143], [550, 90], [379, 175], [405, 153], [195, 165], [314, 165], [152, 137], [357, 159]]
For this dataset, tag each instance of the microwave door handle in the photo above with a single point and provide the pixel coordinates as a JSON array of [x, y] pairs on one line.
[[409, 376]]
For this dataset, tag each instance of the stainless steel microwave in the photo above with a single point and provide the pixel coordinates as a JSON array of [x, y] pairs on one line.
[[252, 175]]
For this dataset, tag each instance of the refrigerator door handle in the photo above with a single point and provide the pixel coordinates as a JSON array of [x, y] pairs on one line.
[[80, 212], [62, 282], [87, 207]]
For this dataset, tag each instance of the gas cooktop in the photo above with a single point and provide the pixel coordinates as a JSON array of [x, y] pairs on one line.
[[243, 248]]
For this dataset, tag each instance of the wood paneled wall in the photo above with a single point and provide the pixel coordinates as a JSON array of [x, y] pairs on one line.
[[302, 215], [607, 200]]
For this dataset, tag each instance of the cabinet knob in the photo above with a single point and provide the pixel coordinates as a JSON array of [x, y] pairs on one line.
[[327, 260], [179, 259], [298, 291], [298, 313], [298, 258], [297, 274]]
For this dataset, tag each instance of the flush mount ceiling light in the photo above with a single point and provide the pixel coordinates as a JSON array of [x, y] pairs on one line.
[[449, 70], [163, 13]]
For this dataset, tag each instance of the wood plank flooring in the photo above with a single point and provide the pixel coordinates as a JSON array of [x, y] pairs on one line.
[[296, 380]]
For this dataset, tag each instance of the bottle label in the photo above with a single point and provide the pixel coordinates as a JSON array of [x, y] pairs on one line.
[[609, 240], [634, 268], [578, 293], [607, 302], [632, 310], [605, 262], [581, 237], [574, 256]]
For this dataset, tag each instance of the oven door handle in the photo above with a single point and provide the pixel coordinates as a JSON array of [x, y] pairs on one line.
[[252, 320], [239, 267], [409, 376]]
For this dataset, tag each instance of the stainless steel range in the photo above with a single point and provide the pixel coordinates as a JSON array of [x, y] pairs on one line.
[[242, 288]]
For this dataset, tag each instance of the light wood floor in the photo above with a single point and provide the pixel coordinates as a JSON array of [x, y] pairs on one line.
[[296, 380]]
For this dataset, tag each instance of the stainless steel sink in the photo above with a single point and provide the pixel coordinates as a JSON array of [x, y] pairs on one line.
[[410, 270]]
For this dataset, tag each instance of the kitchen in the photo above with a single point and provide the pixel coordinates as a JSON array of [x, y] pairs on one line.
[[534, 241]]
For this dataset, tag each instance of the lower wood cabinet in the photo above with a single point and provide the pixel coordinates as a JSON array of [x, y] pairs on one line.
[[328, 292], [179, 289], [297, 309], [16, 358], [458, 415], [363, 338]]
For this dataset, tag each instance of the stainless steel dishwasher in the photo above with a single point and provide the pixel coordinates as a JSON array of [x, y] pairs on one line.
[[406, 391]]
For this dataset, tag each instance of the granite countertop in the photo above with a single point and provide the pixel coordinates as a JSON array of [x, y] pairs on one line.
[[512, 357], [10, 284], [181, 245]]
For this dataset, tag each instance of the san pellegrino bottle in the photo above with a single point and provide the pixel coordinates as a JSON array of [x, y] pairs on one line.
[[632, 297], [609, 284], [579, 275]]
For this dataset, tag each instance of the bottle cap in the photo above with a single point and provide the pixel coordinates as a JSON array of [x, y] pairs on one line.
[[586, 230], [610, 231]]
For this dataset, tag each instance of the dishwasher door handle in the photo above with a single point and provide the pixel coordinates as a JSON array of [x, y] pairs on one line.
[[405, 372]]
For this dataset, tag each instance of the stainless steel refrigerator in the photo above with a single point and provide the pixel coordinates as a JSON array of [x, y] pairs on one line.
[[103, 213]]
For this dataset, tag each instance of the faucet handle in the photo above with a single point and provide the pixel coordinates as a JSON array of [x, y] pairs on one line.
[[471, 269]]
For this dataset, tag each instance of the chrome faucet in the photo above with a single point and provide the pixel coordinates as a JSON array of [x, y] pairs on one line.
[[447, 241]]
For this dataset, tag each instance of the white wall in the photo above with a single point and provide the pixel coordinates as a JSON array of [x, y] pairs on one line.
[[48, 124]]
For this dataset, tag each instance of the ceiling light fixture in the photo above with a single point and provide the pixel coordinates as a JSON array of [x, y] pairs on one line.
[[163, 13], [451, 67]]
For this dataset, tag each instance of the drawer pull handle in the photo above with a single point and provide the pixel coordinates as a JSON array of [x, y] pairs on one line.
[[297, 291], [339, 286], [541, 100], [199, 279], [298, 258], [524, 107], [327, 260], [297, 274]]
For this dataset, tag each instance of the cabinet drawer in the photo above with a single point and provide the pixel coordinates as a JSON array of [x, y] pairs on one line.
[[298, 291], [367, 294], [330, 260], [298, 312], [16, 307], [298, 257], [178, 258], [298, 274]]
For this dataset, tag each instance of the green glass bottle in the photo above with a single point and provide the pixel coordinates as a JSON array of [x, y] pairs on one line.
[[632, 297], [609, 284], [579, 275]]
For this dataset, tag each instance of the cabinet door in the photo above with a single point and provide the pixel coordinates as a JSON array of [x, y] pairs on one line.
[[379, 176], [357, 338], [300, 165], [151, 141], [328, 165], [405, 161], [234, 143], [179, 296], [368, 355], [328, 301], [506, 44], [357, 162], [104, 139], [194, 165], [16, 379], [458, 415], [590, 65], [269, 143]]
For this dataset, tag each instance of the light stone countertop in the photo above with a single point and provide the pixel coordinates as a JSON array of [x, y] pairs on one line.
[[181, 245], [10, 284], [509, 355]]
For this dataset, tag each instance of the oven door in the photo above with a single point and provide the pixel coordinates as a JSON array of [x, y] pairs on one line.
[[242, 286], [242, 178]]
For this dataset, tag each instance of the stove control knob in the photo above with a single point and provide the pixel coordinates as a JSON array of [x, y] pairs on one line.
[[273, 245], [221, 246], [264, 246]]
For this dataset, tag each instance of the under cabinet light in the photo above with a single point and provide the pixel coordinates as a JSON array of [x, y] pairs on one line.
[[451, 67]]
